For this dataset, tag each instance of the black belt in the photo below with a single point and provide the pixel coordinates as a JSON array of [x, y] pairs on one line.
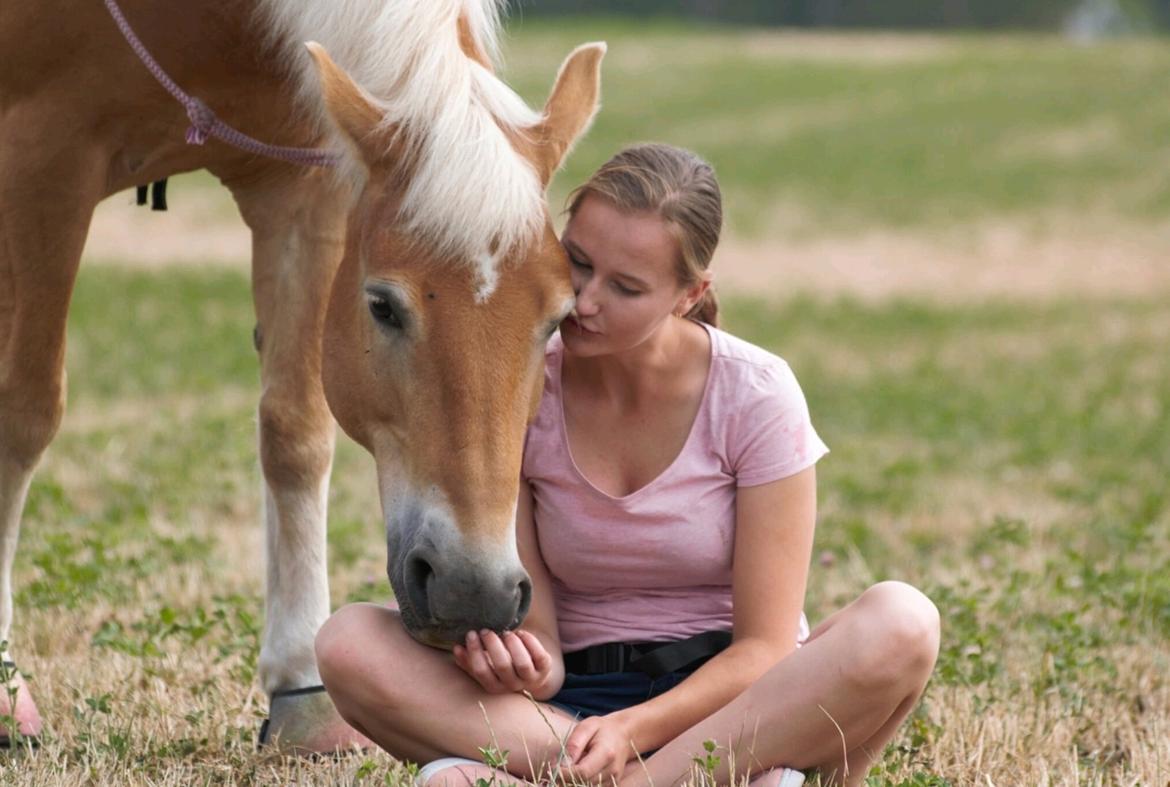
[[652, 658]]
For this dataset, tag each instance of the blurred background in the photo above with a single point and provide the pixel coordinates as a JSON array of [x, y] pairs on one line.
[[951, 218], [950, 149], [1082, 18]]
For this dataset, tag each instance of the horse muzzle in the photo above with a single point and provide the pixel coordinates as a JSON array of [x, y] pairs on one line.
[[445, 587]]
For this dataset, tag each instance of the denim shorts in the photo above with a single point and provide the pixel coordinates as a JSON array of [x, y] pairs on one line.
[[596, 695]]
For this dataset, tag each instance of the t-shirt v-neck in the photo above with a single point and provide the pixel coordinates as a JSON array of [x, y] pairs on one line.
[[699, 412]]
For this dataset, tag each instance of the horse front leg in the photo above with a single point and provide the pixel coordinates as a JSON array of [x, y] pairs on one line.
[[297, 222], [47, 195]]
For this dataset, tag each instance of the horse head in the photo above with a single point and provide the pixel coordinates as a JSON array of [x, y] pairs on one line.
[[450, 286]]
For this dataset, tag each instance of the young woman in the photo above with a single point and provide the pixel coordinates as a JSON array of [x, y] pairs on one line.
[[666, 518]]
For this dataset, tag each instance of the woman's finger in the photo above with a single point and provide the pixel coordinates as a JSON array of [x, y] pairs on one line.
[[501, 660], [479, 666], [597, 758], [578, 740], [521, 660], [462, 659], [541, 660]]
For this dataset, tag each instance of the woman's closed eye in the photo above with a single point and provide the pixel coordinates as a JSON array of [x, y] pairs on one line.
[[585, 267]]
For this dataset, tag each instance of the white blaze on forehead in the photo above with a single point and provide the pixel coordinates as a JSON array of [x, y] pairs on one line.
[[487, 276]]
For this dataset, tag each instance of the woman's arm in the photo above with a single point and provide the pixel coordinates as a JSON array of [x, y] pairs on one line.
[[773, 547], [542, 614]]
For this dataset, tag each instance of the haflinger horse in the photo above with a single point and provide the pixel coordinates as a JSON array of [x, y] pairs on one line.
[[409, 291]]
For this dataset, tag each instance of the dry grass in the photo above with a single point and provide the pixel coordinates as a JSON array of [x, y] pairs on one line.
[[139, 599], [1025, 260]]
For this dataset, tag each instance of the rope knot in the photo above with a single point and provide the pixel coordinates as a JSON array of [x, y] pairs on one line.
[[202, 121]]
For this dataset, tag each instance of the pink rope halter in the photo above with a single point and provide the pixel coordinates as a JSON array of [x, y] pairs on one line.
[[204, 122]]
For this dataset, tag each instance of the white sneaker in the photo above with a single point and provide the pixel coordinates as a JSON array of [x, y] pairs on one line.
[[431, 769], [790, 778], [779, 777]]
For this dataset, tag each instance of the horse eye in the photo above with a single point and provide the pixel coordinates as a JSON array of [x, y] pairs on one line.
[[384, 313]]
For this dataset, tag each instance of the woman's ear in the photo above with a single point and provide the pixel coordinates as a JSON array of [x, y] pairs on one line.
[[694, 294]]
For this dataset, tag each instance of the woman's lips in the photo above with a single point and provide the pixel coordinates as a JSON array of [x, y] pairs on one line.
[[579, 328]]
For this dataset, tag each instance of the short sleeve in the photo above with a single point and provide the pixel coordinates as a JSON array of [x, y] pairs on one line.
[[774, 436]]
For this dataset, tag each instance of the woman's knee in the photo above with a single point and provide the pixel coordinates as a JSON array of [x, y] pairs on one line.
[[900, 634], [342, 643]]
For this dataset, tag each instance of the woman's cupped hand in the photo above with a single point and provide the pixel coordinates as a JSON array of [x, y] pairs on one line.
[[512, 662]]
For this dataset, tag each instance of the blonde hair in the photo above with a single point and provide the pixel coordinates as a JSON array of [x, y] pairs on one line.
[[679, 187]]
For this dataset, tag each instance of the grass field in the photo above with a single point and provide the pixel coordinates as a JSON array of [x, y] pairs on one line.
[[831, 134], [1009, 458], [840, 133]]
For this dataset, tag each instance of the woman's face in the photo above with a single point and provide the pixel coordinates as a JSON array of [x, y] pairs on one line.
[[623, 271]]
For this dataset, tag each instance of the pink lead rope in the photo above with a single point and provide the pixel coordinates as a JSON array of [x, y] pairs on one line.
[[204, 123]]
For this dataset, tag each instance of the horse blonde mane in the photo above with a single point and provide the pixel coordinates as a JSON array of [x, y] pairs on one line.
[[471, 196]]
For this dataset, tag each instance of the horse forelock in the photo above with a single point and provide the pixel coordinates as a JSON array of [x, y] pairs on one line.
[[471, 196]]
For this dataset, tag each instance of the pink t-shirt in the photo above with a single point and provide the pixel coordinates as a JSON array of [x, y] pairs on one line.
[[655, 565]]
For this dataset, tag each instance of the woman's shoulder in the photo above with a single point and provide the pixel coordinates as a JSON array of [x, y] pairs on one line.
[[743, 361], [749, 383], [762, 411], [542, 439]]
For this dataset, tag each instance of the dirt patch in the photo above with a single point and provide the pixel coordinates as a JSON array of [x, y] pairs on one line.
[[849, 47], [199, 229], [1016, 261], [994, 262], [1092, 137]]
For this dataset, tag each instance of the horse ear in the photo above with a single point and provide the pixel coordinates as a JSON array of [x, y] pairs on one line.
[[470, 45], [569, 110], [352, 109]]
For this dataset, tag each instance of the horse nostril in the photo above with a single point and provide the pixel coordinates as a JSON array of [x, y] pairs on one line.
[[418, 576], [524, 599]]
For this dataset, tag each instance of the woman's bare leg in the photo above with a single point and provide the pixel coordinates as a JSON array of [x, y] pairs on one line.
[[832, 705], [415, 703]]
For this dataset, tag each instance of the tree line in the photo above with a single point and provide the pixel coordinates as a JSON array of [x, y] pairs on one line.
[[1090, 16]]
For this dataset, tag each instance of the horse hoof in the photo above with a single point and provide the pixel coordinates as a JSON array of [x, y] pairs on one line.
[[25, 713], [304, 722]]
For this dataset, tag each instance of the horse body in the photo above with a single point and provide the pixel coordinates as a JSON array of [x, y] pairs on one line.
[[411, 291]]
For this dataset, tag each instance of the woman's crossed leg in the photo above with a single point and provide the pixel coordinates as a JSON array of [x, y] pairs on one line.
[[833, 705], [413, 701]]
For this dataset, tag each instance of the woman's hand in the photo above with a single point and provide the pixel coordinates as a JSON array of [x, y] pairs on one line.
[[598, 748], [513, 662]]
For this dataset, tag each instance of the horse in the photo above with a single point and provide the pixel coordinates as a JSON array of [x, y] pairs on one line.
[[405, 294]]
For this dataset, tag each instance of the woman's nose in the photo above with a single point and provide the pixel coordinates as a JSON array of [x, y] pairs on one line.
[[586, 302]]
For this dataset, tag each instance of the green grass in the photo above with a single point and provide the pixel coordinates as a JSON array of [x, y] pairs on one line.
[[927, 132], [157, 314], [834, 137], [1010, 460]]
